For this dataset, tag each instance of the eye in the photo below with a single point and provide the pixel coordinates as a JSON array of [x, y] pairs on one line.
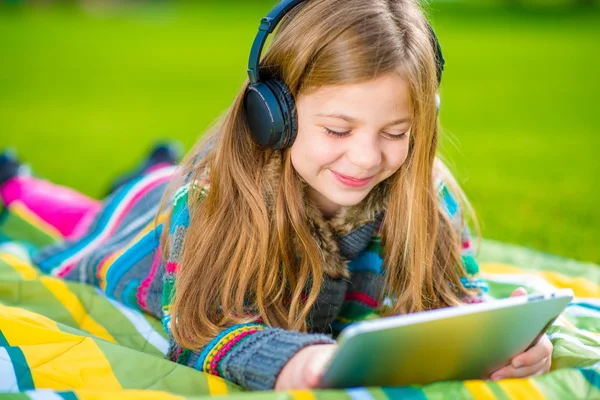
[[395, 137], [336, 133]]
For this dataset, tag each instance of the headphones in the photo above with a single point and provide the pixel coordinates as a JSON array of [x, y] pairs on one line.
[[269, 105]]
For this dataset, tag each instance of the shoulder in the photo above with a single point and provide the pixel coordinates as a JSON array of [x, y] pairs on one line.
[[443, 181], [196, 190]]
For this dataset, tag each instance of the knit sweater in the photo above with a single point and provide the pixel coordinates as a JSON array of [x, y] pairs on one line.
[[121, 255]]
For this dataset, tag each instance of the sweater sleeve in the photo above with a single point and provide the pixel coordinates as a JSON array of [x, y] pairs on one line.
[[250, 355], [471, 280]]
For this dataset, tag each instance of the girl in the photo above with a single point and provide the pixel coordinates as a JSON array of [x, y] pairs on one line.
[[323, 205]]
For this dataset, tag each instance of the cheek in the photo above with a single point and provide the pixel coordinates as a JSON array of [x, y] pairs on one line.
[[396, 156], [312, 152]]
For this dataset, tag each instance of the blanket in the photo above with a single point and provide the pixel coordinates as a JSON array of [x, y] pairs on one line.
[[67, 340]]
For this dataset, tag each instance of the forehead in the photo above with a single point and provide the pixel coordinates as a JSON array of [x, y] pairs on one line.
[[386, 96]]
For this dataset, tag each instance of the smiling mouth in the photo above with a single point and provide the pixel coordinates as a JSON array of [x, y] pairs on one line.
[[351, 181]]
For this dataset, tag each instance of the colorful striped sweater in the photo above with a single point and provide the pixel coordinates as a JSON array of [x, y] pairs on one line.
[[121, 255]]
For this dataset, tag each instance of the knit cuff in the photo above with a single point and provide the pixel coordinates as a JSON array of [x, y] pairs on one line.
[[256, 362]]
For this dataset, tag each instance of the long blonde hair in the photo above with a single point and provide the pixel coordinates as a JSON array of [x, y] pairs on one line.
[[238, 254]]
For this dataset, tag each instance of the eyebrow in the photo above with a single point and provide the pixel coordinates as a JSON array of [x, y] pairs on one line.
[[354, 120]]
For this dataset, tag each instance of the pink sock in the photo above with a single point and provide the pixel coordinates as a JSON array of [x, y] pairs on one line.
[[65, 209]]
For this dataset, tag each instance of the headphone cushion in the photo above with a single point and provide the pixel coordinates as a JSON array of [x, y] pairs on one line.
[[288, 110]]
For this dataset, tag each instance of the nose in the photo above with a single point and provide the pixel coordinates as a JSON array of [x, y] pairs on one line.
[[365, 151]]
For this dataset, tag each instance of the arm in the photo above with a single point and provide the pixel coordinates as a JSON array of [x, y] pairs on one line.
[[450, 206], [251, 355]]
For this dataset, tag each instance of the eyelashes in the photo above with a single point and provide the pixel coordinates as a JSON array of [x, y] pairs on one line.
[[336, 133], [346, 133]]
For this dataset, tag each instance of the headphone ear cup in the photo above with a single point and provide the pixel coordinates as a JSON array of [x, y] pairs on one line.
[[264, 115], [288, 111]]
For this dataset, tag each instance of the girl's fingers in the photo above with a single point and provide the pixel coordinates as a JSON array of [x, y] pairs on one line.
[[541, 350], [511, 372], [534, 361], [519, 292], [315, 369], [316, 366]]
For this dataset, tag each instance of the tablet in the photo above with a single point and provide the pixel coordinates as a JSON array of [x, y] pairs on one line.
[[456, 343]]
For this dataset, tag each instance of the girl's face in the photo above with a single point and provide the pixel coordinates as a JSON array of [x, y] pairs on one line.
[[350, 138]]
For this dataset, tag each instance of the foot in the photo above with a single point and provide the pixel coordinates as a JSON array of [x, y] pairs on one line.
[[162, 153], [9, 165], [169, 153]]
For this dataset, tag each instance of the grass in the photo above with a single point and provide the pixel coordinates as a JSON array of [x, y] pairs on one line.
[[83, 95]]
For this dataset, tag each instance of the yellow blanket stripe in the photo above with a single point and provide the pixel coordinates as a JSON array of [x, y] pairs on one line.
[[69, 300], [216, 385], [125, 395], [302, 395], [521, 389], [56, 359], [479, 390], [62, 293], [20, 209], [24, 269], [581, 287]]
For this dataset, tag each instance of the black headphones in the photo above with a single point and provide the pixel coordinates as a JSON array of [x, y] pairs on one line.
[[269, 105]]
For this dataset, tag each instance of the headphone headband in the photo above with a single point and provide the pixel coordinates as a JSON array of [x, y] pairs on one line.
[[270, 22], [267, 26]]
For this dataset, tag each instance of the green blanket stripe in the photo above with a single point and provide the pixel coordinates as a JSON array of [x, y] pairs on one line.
[[7, 273], [449, 389], [17, 229], [408, 393], [592, 376], [376, 393], [156, 325], [113, 320], [20, 368], [553, 386], [493, 251], [497, 391], [19, 364], [136, 370], [568, 354], [67, 395], [35, 297], [23, 396], [332, 395], [588, 323]]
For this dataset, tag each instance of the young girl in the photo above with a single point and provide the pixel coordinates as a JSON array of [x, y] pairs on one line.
[[317, 200]]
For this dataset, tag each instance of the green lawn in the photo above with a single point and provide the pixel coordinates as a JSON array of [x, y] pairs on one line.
[[83, 95]]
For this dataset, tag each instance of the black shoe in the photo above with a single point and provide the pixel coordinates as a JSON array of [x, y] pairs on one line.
[[9, 165], [161, 153]]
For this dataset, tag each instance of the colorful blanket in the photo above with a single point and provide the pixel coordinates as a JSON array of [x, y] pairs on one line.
[[67, 340]]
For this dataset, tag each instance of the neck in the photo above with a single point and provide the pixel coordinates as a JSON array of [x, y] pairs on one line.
[[327, 208]]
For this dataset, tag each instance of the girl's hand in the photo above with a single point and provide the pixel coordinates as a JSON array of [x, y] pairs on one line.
[[535, 361], [305, 369]]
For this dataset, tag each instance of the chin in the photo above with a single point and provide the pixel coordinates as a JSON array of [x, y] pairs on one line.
[[347, 199]]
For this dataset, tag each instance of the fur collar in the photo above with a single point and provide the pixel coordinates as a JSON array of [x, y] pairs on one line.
[[349, 220]]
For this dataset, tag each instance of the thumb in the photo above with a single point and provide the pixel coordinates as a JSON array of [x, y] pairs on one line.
[[316, 368], [519, 292]]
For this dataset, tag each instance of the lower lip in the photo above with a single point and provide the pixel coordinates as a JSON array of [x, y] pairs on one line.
[[352, 182]]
